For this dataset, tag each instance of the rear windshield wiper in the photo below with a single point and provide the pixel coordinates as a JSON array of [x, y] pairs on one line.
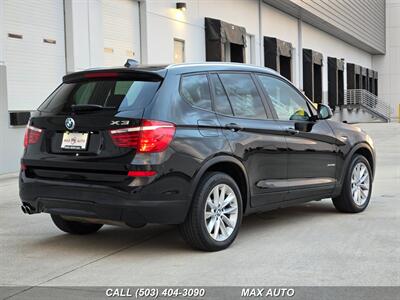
[[88, 107]]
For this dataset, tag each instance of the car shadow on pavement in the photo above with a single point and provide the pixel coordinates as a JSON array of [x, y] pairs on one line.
[[283, 216], [315, 208], [166, 238], [109, 238]]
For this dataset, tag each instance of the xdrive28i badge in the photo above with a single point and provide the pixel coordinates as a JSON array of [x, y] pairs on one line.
[[69, 123]]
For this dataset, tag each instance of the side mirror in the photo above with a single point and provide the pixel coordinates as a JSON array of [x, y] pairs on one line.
[[324, 112]]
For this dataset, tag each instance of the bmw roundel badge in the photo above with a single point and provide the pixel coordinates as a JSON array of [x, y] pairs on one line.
[[69, 123]]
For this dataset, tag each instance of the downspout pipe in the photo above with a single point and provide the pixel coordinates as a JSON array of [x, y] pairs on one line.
[[260, 33]]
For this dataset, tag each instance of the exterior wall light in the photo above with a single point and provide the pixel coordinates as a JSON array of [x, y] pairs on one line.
[[181, 6]]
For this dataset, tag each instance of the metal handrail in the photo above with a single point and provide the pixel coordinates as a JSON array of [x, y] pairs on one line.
[[369, 100]]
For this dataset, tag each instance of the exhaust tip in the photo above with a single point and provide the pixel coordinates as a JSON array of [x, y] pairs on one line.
[[27, 209]]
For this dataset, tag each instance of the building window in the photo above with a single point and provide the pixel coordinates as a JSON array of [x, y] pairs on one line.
[[179, 51]]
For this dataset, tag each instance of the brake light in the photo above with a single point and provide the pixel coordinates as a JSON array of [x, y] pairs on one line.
[[32, 135], [150, 136], [101, 75]]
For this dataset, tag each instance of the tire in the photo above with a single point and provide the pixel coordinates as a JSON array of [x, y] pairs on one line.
[[75, 227], [347, 201], [195, 228]]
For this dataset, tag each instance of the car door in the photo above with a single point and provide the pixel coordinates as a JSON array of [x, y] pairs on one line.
[[255, 139], [311, 142]]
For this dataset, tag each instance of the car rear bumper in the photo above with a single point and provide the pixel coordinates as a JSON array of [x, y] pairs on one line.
[[86, 200]]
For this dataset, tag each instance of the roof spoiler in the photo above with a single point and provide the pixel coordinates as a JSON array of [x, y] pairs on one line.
[[105, 74]]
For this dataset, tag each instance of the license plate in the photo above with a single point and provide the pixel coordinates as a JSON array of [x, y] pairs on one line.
[[74, 141]]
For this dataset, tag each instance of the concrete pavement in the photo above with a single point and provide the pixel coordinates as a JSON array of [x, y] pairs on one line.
[[309, 244]]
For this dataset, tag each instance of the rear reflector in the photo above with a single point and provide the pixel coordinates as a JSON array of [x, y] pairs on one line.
[[151, 136], [32, 135], [141, 173]]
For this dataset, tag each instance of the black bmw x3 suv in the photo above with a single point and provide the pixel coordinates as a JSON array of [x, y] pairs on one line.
[[199, 145]]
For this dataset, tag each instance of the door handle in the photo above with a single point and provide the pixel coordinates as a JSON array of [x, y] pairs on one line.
[[233, 127], [292, 131]]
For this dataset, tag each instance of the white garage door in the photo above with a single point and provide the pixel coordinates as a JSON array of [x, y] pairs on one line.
[[121, 31], [34, 50]]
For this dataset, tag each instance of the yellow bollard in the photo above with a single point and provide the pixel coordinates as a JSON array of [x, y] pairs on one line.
[[398, 116]]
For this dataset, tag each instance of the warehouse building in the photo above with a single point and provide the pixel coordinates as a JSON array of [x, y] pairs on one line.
[[335, 51]]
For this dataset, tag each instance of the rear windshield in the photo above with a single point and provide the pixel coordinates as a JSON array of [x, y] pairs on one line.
[[119, 94]]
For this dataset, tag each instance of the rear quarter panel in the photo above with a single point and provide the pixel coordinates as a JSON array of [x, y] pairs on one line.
[[198, 137]]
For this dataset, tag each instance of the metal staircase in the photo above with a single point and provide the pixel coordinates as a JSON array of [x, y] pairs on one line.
[[369, 102]]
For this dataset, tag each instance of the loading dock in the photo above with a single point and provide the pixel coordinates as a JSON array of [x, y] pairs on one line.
[[353, 76], [224, 41], [312, 75], [364, 79], [335, 82], [278, 56], [375, 81], [370, 75], [119, 45], [32, 41]]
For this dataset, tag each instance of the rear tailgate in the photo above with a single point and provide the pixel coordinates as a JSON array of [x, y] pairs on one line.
[[76, 122]]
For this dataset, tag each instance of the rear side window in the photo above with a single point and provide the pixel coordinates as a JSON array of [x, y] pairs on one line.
[[196, 90], [243, 95], [119, 94]]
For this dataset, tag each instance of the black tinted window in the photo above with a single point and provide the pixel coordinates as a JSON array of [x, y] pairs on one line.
[[221, 101], [196, 91], [243, 95], [118, 94]]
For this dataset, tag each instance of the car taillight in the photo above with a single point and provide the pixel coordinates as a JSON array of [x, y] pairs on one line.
[[125, 137], [155, 136], [32, 135], [150, 136]]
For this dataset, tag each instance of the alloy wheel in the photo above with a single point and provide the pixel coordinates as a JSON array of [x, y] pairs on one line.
[[221, 212], [360, 184]]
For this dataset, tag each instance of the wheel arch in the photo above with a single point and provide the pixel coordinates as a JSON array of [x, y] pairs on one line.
[[368, 155], [363, 149], [228, 165]]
